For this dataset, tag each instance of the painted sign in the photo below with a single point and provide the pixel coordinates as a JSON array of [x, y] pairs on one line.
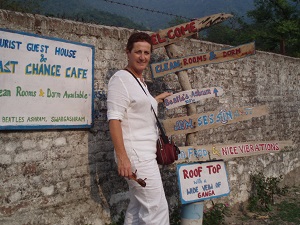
[[176, 33], [191, 96], [178, 64], [208, 120], [229, 151], [45, 83], [202, 181]]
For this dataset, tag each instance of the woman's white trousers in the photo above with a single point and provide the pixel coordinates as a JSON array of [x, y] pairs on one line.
[[148, 205]]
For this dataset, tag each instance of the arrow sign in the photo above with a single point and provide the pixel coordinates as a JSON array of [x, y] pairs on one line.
[[174, 65], [191, 96], [208, 120], [229, 151], [216, 92], [176, 33]]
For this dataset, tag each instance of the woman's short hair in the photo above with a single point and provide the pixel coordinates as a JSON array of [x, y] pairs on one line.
[[137, 37]]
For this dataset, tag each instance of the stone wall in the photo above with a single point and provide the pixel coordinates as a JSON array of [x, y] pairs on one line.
[[69, 176]]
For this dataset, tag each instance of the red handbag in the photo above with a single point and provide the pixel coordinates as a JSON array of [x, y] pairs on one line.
[[166, 151]]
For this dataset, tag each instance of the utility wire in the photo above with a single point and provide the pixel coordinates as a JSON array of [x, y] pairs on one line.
[[149, 10]]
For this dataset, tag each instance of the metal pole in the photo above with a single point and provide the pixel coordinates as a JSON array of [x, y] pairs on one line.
[[192, 214]]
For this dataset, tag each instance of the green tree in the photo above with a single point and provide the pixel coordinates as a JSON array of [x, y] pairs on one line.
[[232, 32], [276, 26], [21, 6], [176, 21], [75, 12]]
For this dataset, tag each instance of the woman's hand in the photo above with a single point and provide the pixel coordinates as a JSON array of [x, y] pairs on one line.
[[160, 98], [124, 166]]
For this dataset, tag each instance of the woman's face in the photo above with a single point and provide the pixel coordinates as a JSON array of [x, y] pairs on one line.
[[139, 56]]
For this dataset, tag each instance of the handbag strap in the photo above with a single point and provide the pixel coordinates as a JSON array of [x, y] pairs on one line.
[[162, 132]]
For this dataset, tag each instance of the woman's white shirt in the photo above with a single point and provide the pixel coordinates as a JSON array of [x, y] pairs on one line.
[[127, 102]]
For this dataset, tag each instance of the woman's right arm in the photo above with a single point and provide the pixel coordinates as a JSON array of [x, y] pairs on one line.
[[124, 165]]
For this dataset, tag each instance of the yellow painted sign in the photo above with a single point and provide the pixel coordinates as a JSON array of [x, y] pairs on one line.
[[174, 65], [176, 33], [208, 120], [228, 151]]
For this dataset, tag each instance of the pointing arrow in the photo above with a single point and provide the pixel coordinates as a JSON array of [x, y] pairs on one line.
[[216, 92]]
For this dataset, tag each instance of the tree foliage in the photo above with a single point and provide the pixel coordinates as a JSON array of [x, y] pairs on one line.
[[278, 21], [176, 21], [231, 32], [76, 11], [104, 18], [275, 27], [21, 6]]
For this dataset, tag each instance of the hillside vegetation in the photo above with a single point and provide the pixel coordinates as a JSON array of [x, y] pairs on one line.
[[274, 25]]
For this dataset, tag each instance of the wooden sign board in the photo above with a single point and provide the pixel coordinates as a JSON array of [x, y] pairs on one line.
[[229, 151], [191, 96], [202, 181], [176, 33], [213, 119], [175, 65]]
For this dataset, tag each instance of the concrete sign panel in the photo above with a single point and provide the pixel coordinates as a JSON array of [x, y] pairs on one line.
[[202, 181], [178, 64], [45, 83]]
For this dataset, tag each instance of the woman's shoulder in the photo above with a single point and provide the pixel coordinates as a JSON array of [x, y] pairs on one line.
[[121, 74]]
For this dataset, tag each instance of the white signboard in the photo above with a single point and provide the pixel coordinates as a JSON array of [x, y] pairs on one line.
[[202, 181], [45, 83]]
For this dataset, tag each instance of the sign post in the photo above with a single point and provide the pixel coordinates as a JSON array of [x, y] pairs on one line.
[[202, 181], [192, 213], [166, 38]]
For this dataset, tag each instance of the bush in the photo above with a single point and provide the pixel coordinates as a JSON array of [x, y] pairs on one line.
[[263, 191], [215, 215]]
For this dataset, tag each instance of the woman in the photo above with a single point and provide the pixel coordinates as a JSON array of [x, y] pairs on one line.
[[134, 134]]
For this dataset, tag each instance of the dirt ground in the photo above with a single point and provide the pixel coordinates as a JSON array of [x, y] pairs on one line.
[[286, 211]]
